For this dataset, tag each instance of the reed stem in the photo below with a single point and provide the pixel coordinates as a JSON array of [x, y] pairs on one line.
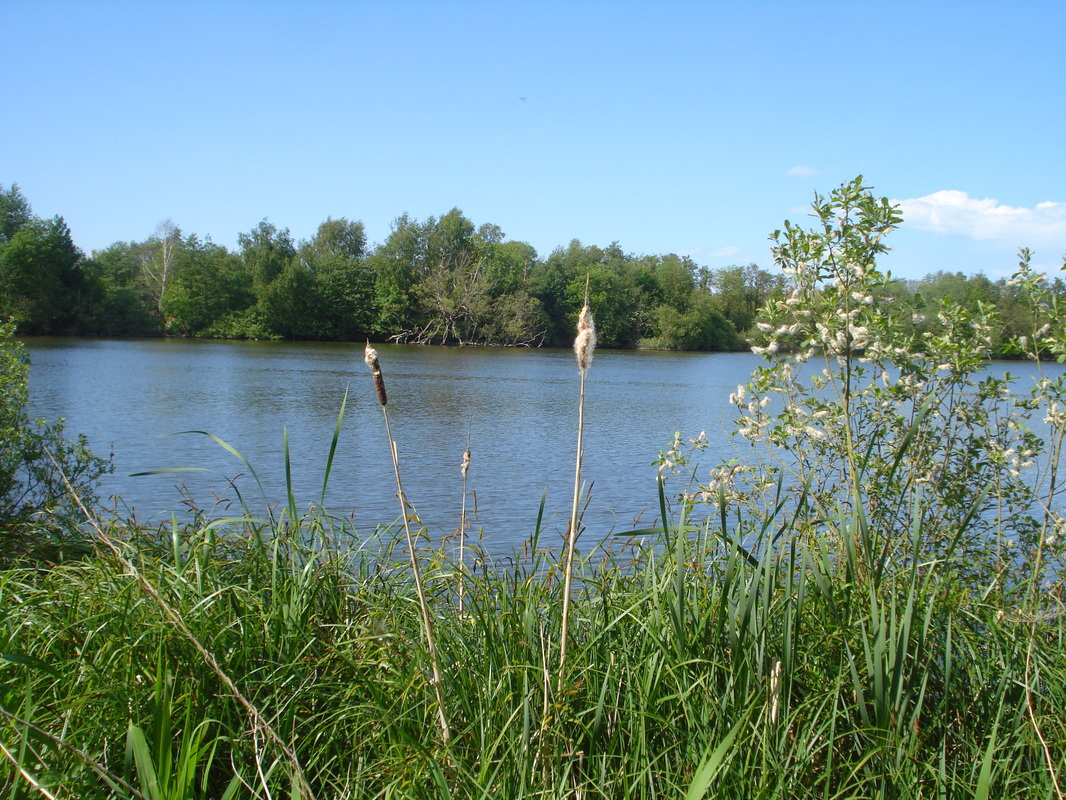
[[584, 346], [571, 537], [371, 359], [462, 525]]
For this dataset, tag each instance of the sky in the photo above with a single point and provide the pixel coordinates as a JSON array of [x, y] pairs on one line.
[[694, 128]]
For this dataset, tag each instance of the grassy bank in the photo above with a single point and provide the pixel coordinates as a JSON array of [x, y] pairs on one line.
[[694, 670]]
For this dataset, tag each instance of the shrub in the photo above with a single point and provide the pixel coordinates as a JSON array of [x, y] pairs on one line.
[[884, 428], [39, 513]]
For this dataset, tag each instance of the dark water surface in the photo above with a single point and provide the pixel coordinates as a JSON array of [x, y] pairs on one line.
[[518, 406]]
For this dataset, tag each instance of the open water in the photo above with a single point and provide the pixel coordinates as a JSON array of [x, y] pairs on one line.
[[518, 409]]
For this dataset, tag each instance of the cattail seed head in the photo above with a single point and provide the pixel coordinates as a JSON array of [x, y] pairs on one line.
[[466, 461], [370, 356], [585, 342]]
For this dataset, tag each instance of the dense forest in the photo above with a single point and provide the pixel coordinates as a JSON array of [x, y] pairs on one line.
[[439, 281]]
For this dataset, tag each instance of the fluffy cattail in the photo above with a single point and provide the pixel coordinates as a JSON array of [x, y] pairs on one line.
[[466, 460], [370, 356], [585, 342]]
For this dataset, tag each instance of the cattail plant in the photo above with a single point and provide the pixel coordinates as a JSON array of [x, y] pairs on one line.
[[462, 524], [584, 345], [370, 356]]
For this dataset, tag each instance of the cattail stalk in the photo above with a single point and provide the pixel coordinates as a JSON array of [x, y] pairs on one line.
[[462, 524], [370, 356], [584, 345]]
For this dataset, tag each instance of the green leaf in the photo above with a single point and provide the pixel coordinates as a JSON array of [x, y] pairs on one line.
[[708, 770], [29, 661], [137, 746]]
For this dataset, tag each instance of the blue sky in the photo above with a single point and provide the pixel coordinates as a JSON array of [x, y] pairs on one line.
[[688, 127]]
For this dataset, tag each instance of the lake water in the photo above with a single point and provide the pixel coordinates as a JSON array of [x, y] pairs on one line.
[[518, 407]]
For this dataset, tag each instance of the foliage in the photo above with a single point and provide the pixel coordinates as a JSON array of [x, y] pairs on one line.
[[344, 283], [740, 292], [41, 282], [210, 284], [122, 304], [15, 212], [442, 280], [893, 425], [38, 513]]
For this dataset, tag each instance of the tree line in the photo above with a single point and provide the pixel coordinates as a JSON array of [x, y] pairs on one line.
[[443, 280]]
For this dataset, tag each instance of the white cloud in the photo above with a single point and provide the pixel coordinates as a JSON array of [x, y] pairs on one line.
[[955, 213], [801, 171], [720, 252]]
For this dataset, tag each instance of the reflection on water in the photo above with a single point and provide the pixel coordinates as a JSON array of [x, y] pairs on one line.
[[518, 408]]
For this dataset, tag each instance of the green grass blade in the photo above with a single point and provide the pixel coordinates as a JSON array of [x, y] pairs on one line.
[[984, 778], [137, 747], [709, 768], [333, 448], [290, 496]]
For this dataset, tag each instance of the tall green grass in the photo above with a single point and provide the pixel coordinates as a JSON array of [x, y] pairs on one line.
[[696, 670]]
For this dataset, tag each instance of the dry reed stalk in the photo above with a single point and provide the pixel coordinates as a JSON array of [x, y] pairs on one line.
[[584, 345], [370, 356], [27, 775], [1036, 727], [775, 691]]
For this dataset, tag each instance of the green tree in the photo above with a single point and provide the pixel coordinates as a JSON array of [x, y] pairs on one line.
[[396, 264], [161, 259], [213, 284], [269, 256], [429, 280], [740, 292], [674, 279], [290, 304], [966, 290], [699, 326], [559, 283], [266, 252], [15, 212], [455, 297], [343, 281], [334, 238], [547, 284], [509, 264], [122, 305], [515, 316], [449, 237], [41, 283], [516, 319]]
